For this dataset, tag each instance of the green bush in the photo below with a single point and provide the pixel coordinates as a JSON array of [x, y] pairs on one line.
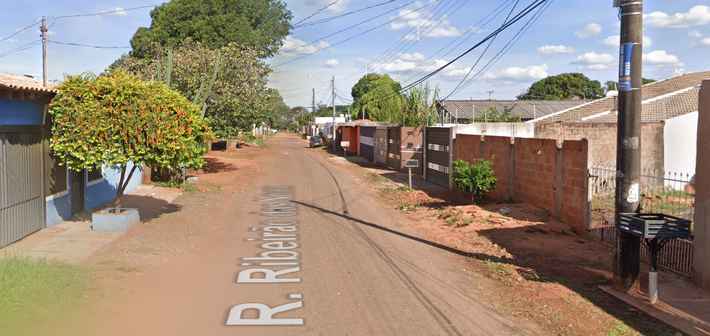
[[476, 178]]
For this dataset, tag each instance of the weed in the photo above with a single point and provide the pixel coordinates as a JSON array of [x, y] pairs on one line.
[[621, 329], [560, 234], [466, 222], [37, 290], [128, 268], [144, 250], [557, 318], [544, 215], [214, 187], [403, 188], [495, 268], [449, 222], [407, 207]]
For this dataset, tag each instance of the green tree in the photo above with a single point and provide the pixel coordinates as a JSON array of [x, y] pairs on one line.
[[277, 112], [476, 178], [383, 103], [564, 86], [116, 118], [239, 97], [493, 115], [612, 85], [255, 24], [368, 83], [420, 106]]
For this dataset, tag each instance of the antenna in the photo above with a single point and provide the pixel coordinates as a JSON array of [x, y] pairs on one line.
[[489, 94]]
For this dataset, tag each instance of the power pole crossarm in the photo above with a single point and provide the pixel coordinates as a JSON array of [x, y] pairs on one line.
[[627, 263]]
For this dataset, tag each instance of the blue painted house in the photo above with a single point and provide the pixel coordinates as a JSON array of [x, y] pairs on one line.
[[35, 190]]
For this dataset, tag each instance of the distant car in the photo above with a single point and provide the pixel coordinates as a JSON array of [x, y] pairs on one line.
[[316, 141]]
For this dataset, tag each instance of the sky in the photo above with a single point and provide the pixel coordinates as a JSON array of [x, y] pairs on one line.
[[402, 38]]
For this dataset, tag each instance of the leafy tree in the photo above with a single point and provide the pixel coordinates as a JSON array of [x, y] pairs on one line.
[[277, 112], [420, 106], [383, 103], [368, 83], [239, 97], [612, 85], [493, 115], [255, 24], [564, 86], [476, 178], [116, 118]]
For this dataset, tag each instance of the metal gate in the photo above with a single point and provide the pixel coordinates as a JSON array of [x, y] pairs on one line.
[[381, 146], [394, 152], [367, 135], [438, 155], [22, 205]]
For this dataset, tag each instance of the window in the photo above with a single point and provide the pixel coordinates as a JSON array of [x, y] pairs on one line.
[[95, 175]]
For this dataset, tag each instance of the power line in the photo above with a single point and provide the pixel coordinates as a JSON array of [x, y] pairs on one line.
[[87, 46], [342, 30], [54, 19], [316, 13], [18, 49], [19, 31], [350, 38], [340, 16]]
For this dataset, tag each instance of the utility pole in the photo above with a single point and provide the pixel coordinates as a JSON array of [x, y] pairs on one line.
[[44, 51], [333, 139], [627, 263], [313, 128]]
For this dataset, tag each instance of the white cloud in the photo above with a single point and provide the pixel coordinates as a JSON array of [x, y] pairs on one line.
[[415, 57], [704, 43], [118, 11], [334, 8], [332, 63], [660, 57], [551, 50], [589, 31], [695, 34], [613, 41], [51, 33], [293, 47], [594, 58], [427, 28], [696, 16], [518, 74]]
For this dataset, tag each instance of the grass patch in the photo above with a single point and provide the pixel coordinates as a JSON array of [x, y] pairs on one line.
[[34, 292], [144, 250], [128, 268], [496, 268], [213, 187]]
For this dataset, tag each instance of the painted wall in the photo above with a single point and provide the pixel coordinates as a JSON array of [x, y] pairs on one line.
[[701, 242], [21, 112], [680, 141], [518, 130], [352, 134]]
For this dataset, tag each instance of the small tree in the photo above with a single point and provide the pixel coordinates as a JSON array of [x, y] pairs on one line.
[[114, 119], [476, 178]]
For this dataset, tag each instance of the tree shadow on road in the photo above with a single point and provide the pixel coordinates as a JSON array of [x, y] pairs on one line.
[[148, 208]]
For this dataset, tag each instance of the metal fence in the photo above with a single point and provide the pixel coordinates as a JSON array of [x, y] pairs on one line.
[[661, 192]]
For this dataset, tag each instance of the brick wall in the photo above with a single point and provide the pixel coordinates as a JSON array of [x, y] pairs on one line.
[[602, 140], [535, 171]]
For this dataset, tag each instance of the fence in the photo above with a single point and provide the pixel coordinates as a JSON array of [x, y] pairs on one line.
[[661, 192]]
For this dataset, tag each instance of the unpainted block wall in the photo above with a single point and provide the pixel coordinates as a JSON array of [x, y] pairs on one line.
[[701, 231], [602, 140], [535, 171]]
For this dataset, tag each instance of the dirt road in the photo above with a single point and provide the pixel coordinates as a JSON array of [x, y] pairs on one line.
[[305, 250]]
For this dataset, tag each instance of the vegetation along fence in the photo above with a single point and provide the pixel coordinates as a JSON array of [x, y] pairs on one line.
[[661, 192]]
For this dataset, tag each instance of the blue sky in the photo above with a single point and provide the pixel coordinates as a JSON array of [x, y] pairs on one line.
[[568, 36]]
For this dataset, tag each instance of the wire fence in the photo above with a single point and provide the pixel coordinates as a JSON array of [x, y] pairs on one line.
[[669, 193]]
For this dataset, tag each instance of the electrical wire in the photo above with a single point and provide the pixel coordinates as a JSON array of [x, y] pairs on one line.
[[87, 46], [316, 13], [21, 48], [340, 31], [350, 38], [20, 31], [312, 23], [55, 18]]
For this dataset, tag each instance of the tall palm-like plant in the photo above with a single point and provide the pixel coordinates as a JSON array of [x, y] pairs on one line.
[[420, 106]]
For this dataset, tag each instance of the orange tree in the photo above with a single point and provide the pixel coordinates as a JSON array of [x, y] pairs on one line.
[[116, 118]]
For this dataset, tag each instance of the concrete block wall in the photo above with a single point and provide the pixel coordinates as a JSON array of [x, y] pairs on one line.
[[701, 229], [602, 140], [537, 171]]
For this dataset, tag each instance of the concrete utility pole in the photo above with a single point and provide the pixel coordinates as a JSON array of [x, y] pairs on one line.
[[333, 139], [627, 263], [44, 51], [313, 128]]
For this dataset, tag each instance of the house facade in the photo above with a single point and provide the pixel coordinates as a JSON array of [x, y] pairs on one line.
[[36, 191]]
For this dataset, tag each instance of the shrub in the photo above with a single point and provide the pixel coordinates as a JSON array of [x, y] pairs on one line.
[[476, 178]]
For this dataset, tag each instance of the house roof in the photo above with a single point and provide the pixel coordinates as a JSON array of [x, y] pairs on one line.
[[661, 100], [25, 83], [526, 109]]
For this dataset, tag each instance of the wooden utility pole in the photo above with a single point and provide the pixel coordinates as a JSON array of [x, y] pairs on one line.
[[332, 141], [44, 51], [627, 263]]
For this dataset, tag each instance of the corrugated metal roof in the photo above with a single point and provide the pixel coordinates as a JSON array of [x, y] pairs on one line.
[[24, 83], [526, 109]]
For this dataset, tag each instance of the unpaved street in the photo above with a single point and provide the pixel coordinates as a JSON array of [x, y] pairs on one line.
[[308, 239]]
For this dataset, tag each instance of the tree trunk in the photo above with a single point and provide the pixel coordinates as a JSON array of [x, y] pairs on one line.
[[122, 184], [231, 144]]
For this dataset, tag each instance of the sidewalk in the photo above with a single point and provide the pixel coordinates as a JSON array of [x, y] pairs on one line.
[[74, 240], [681, 304]]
